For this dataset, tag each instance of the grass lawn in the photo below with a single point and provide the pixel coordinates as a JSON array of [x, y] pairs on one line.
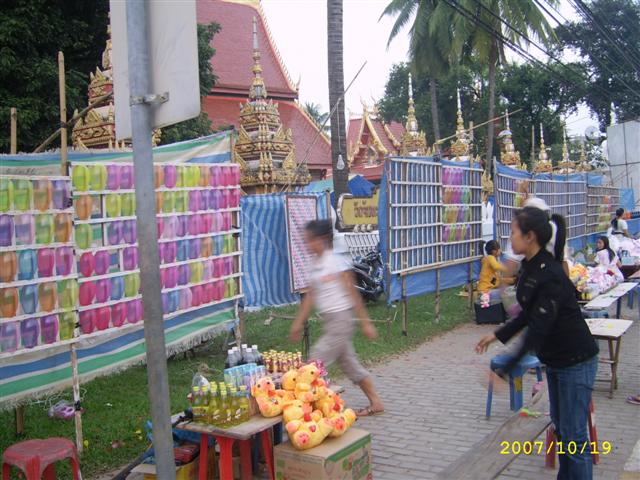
[[117, 406]]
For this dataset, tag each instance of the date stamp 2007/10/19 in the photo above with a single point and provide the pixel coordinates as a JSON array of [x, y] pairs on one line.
[[561, 448]]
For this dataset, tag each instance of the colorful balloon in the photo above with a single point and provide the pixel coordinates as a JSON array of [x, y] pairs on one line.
[[6, 230], [117, 288], [113, 177], [186, 297], [226, 199], [25, 227], [165, 303], [158, 176], [183, 226], [181, 200], [194, 248], [128, 204], [130, 231], [130, 258], [8, 266], [102, 262], [184, 274], [197, 294], [29, 332], [22, 194], [83, 206], [114, 232], [168, 201], [29, 299], [170, 277], [67, 325], [68, 293], [209, 292], [235, 175], [159, 201], [84, 236], [194, 200], [103, 290], [206, 247], [62, 227], [46, 262], [132, 285], [81, 178], [6, 194], [27, 264], [170, 227], [87, 321], [170, 176], [118, 314], [9, 336], [180, 176], [86, 264], [64, 260], [234, 199], [87, 293], [103, 317], [44, 228], [113, 204], [174, 301], [126, 176], [98, 175], [169, 252], [134, 311], [160, 226], [194, 225], [217, 200], [182, 250], [49, 329], [196, 272], [205, 174], [48, 296], [8, 302], [42, 194]]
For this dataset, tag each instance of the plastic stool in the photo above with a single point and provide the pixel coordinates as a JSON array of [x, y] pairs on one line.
[[38, 457], [635, 291], [515, 378]]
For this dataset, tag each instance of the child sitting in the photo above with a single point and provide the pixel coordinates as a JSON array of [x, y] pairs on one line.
[[607, 258], [490, 273]]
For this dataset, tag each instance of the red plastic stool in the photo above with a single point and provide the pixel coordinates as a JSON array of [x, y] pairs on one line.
[[38, 457], [550, 458]]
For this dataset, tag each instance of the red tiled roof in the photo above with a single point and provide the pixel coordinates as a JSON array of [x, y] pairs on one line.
[[397, 129], [384, 138], [353, 131], [233, 59], [226, 111]]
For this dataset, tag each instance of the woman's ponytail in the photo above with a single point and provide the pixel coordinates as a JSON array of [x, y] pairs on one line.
[[559, 237]]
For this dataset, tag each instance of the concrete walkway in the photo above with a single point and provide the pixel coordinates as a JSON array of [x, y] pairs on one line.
[[435, 408]]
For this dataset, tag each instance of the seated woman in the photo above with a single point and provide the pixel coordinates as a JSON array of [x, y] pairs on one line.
[[607, 258], [619, 226], [491, 271]]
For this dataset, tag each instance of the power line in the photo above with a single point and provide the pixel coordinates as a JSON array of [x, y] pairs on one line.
[[514, 47], [492, 13], [588, 14]]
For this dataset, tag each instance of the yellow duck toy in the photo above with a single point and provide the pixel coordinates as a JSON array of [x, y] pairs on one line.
[[341, 422], [295, 410], [327, 403], [267, 398], [307, 383], [289, 380], [306, 433]]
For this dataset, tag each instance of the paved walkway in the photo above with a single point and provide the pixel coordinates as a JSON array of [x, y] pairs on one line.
[[435, 409]]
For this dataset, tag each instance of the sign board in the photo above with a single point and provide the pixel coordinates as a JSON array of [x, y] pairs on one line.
[[173, 38], [354, 211], [299, 210]]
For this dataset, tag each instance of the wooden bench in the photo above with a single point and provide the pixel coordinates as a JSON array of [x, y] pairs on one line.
[[484, 460]]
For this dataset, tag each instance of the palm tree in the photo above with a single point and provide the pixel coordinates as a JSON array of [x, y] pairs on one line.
[[429, 42], [336, 103], [471, 39], [313, 110]]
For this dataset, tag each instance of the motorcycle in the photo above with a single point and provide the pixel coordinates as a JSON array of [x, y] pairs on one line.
[[369, 273]]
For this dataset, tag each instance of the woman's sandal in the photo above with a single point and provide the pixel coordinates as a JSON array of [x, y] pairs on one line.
[[368, 412], [635, 399]]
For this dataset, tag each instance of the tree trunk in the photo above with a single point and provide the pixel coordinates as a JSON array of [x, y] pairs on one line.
[[336, 90], [434, 109], [493, 65]]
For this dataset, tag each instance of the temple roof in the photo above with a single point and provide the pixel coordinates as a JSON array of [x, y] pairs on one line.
[[225, 110], [389, 134], [232, 61]]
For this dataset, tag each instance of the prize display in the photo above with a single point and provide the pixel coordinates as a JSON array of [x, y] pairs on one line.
[[567, 198], [197, 223], [511, 192], [38, 285], [602, 203]]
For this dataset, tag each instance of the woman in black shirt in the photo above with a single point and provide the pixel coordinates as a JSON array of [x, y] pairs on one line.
[[556, 331]]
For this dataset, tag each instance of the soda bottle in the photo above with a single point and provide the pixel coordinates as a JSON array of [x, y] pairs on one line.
[[244, 403], [195, 403], [205, 393], [257, 355], [248, 356], [230, 362], [214, 405], [225, 410]]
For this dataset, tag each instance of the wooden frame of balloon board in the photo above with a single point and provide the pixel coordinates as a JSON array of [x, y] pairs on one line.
[[416, 223], [567, 198]]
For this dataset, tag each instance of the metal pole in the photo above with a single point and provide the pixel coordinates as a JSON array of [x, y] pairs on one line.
[[141, 118]]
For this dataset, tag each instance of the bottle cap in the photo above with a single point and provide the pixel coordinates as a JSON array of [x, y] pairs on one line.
[[244, 345], [230, 351], [249, 350], [196, 389], [255, 347]]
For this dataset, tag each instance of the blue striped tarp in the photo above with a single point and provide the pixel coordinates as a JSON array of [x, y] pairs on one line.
[[265, 258]]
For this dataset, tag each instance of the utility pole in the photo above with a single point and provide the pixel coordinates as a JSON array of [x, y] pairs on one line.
[[141, 102]]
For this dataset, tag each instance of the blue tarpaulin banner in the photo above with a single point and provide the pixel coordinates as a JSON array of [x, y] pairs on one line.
[[265, 256]]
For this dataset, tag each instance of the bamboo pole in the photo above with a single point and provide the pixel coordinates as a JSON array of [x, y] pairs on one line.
[[99, 101], [437, 295], [13, 149], [64, 171]]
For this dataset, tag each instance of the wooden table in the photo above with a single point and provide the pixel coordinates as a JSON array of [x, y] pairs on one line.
[[611, 330], [606, 299], [225, 437], [635, 277]]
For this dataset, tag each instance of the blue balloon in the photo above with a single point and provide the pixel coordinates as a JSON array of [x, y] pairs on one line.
[[27, 264], [117, 288], [29, 298]]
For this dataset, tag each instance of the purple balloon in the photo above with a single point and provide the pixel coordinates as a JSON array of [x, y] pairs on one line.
[[130, 258], [64, 260], [170, 176], [113, 177], [126, 176], [184, 274], [61, 194], [29, 332], [102, 261], [169, 251], [114, 232], [129, 231], [194, 248], [6, 230]]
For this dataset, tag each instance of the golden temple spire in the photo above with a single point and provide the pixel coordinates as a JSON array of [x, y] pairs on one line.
[[413, 142], [258, 90], [583, 164], [566, 165], [460, 121], [508, 154], [461, 147], [543, 165]]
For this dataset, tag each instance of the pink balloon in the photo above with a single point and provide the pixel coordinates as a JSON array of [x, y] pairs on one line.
[[170, 227], [87, 293], [113, 177], [160, 225], [219, 290], [197, 296], [204, 219], [186, 297], [216, 222], [130, 258], [194, 225], [218, 267], [235, 174], [102, 261], [227, 220], [169, 277], [126, 176], [103, 290], [87, 321], [169, 251], [134, 311], [215, 180], [234, 199], [87, 264], [118, 314], [64, 260], [207, 270], [170, 176], [194, 200], [46, 262], [209, 292], [103, 317]]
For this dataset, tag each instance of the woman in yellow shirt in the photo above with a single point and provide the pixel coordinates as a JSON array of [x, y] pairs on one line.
[[490, 273]]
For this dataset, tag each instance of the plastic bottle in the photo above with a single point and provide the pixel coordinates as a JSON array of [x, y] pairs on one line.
[[196, 404], [248, 356], [258, 359], [230, 362], [214, 405], [6, 194]]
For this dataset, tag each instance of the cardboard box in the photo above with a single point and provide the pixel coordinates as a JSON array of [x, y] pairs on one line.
[[188, 471], [345, 458]]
